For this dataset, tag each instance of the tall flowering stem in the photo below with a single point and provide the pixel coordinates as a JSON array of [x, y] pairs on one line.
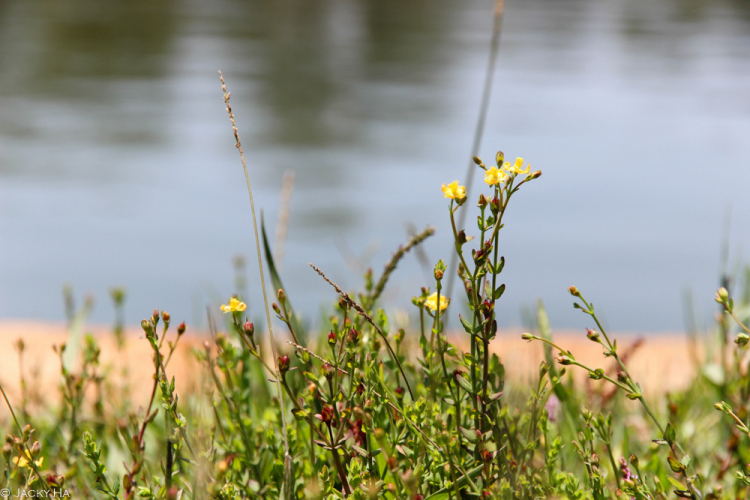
[[482, 291]]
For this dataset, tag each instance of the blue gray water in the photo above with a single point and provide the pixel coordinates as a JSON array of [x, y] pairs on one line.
[[117, 164]]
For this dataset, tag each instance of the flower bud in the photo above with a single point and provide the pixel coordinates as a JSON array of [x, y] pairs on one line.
[[327, 371], [181, 328], [332, 338], [282, 296], [353, 336], [399, 336], [276, 309], [742, 339], [499, 158], [327, 414], [722, 295], [165, 317], [564, 360], [535, 175], [477, 160], [283, 364], [495, 205], [155, 315], [527, 336], [574, 291], [593, 335], [248, 329], [482, 201]]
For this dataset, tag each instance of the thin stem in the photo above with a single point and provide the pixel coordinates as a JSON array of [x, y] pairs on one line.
[[260, 265]]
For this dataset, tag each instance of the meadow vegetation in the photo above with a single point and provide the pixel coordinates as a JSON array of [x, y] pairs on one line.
[[360, 409]]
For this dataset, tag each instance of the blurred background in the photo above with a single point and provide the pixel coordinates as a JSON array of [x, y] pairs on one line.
[[118, 167]]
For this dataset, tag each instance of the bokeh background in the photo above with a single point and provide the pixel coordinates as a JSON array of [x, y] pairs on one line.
[[117, 163]]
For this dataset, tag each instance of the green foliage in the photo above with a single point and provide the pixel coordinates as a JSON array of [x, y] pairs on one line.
[[374, 411]]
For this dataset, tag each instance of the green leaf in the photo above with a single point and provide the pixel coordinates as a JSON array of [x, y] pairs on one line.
[[676, 483], [675, 464], [465, 384], [669, 433], [469, 435], [499, 292], [360, 451]]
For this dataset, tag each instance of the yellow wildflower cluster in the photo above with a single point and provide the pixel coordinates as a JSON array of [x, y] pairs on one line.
[[454, 191], [233, 306], [25, 459], [431, 302], [495, 176]]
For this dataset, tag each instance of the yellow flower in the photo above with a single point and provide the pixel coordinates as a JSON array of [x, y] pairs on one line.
[[517, 167], [431, 302], [454, 191], [495, 176], [234, 306], [24, 460]]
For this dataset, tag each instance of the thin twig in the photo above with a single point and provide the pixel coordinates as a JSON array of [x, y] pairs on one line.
[[362, 313], [287, 186], [238, 144], [397, 256]]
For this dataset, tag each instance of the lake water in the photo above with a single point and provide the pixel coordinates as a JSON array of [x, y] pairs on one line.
[[117, 163]]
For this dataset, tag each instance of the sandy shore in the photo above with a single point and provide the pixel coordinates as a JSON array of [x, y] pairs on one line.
[[660, 362]]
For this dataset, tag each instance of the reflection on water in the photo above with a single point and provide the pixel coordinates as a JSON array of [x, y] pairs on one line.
[[117, 164]]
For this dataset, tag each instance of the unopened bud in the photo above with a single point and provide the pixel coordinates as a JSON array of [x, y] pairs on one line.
[[283, 364], [275, 308], [495, 205], [722, 295], [574, 291], [353, 336], [477, 160], [535, 175], [165, 317], [482, 201], [155, 315], [742, 339], [327, 414], [248, 329], [499, 158], [332, 338], [593, 335], [527, 336], [282, 296], [564, 360], [147, 326]]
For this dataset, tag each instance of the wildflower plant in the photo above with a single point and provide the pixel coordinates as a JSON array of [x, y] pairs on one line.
[[369, 408]]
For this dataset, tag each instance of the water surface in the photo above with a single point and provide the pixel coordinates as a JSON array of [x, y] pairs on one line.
[[117, 163]]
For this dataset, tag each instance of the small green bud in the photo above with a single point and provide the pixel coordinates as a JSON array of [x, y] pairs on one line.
[[742, 339], [722, 295], [574, 291], [499, 158]]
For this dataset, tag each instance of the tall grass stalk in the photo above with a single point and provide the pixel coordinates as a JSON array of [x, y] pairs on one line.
[[238, 144]]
